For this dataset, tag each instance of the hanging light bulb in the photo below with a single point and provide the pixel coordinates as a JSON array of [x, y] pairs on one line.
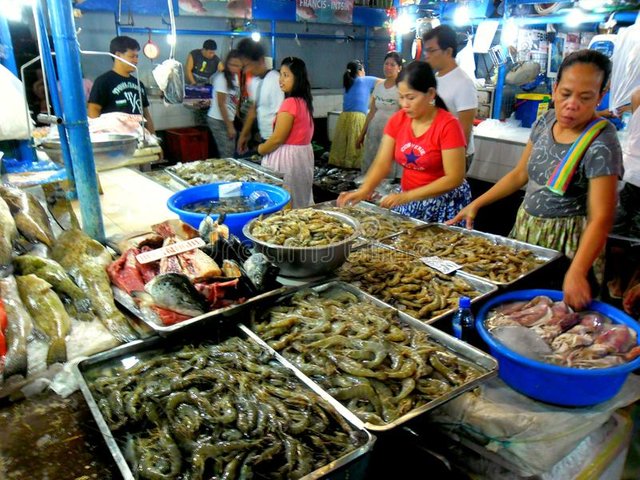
[[403, 24], [255, 36], [509, 34], [462, 16], [171, 39], [575, 17]]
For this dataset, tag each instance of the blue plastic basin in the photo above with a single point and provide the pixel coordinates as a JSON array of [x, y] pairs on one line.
[[235, 221], [566, 386]]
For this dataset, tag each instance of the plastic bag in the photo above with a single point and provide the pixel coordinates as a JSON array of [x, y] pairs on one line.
[[169, 76], [466, 60], [530, 435], [13, 114], [625, 75]]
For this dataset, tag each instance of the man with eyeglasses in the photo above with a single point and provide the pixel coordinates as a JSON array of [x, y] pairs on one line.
[[440, 47]]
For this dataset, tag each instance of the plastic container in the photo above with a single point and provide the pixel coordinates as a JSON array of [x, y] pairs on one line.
[[187, 144], [555, 384], [278, 196], [462, 321], [530, 107]]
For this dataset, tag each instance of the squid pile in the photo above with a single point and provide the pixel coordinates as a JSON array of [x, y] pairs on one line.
[[305, 227], [188, 284], [374, 225], [219, 411], [478, 256], [580, 340], [361, 354], [404, 281], [212, 170]]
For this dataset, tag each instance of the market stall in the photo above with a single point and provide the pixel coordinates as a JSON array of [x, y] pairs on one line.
[[245, 338]]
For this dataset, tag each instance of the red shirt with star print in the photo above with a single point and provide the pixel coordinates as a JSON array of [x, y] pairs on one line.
[[421, 156]]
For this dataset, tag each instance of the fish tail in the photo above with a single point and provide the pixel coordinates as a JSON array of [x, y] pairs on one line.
[[119, 327], [57, 351], [16, 363]]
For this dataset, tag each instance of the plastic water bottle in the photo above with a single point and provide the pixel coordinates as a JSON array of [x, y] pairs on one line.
[[463, 322]]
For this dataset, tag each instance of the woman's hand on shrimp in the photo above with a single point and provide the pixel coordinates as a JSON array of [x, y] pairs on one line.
[[394, 199], [346, 199], [467, 214]]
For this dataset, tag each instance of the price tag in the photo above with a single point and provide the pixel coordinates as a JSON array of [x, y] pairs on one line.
[[227, 190], [440, 264], [170, 250]]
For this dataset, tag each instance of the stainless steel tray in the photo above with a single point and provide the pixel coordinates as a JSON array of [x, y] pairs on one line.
[[173, 185], [374, 210], [132, 349], [468, 353], [148, 317], [273, 176], [547, 255], [481, 285]]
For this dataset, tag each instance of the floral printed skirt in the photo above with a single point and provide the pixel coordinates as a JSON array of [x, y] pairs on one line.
[[562, 234], [438, 209]]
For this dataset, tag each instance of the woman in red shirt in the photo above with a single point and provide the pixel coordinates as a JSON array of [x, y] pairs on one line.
[[288, 150], [429, 143]]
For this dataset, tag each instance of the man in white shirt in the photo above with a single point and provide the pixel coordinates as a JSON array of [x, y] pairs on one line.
[[264, 92], [454, 86]]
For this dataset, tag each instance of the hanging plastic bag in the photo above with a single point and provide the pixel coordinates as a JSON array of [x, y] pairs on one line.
[[466, 60], [169, 76], [625, 75], [13, 114]]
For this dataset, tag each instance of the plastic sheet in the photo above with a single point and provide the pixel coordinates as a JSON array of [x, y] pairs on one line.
[[14, 122], [531, 435], [625, 75]]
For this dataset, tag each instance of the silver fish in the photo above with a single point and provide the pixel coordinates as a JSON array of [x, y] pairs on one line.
[[174, 291], [19, 328], [8, 234], [30, 217]]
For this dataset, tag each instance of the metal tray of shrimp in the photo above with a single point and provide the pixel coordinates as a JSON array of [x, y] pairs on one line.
[[261, 173], [485, 365], [390, 223], [482, 286], [139, 356], [161, 177], [219, 315], [542, 255]]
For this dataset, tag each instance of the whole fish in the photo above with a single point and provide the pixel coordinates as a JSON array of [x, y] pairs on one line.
[[30, 217], [48, 313], [173, 291], [86, 261], [8, 235], [51, 271], [19, 327]]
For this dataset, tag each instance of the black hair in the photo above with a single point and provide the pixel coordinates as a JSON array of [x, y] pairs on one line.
[[353, 67], [122, 44], [445, 36], [228, 76], [396, 57], [301, 85], [250, 50], [210, 45], [592, 57], [419, 76]]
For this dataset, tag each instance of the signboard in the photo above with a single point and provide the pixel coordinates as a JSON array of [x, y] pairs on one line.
[[216, 8], [324, 11]]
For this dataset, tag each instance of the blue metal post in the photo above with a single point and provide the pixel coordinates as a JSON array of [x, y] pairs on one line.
[[75, 115], [497, 96], [273, 42], [9, 61], [366, 49], [50, 74]]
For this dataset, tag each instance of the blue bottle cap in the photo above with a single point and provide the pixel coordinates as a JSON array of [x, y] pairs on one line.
[[464, 302]]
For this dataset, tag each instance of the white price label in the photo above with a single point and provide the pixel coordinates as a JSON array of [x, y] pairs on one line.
[[170, 250], [440, 264], [230, 190]]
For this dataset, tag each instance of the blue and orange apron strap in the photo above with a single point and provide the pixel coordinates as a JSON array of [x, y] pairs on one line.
[[561, 177]]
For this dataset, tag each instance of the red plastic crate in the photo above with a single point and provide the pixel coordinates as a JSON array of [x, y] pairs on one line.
[[187, 144]]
